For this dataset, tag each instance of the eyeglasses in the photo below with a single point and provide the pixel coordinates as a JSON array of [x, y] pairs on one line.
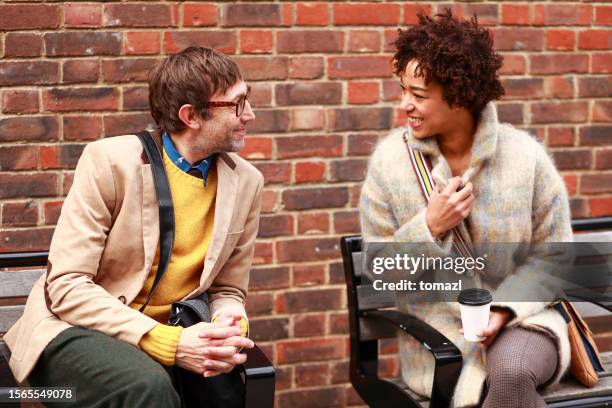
[[240, 104]]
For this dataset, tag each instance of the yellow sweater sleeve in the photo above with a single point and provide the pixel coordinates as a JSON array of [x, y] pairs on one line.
[[161, 343]]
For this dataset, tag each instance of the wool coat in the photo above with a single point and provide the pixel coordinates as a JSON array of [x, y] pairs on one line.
[[106, 240], [519, 198]]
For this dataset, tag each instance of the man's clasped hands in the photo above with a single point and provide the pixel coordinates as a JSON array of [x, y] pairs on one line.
[[210, 349]]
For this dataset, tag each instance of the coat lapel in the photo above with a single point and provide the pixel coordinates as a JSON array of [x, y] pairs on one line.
[[227, 193]]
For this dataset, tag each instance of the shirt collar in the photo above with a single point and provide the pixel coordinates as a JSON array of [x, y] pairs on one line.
[[203, 166]]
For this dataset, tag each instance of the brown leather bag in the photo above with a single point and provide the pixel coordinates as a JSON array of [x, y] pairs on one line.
[[585, 361]]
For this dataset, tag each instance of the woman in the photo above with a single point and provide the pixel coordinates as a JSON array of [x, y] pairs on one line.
[[494, 182]]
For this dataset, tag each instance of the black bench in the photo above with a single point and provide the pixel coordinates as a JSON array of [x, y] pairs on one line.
[[373, 318], [259, 374]]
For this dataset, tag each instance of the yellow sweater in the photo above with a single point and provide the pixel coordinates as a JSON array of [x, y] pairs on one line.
[[194, 212]]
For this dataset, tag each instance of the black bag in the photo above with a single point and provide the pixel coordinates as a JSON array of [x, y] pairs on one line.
[[225, 390]]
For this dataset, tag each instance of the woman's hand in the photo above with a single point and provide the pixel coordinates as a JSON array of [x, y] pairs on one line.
[[448, 208], [497, 320]]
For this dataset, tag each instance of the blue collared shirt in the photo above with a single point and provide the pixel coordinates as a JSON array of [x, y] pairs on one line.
[[203, 166]]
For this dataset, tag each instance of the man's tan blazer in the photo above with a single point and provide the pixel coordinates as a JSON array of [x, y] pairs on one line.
[[105, 242]]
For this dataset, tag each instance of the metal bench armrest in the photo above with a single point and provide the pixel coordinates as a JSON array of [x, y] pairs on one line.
[[259, 379], [448, 360]]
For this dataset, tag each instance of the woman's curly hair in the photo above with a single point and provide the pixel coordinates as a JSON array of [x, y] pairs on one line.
[[456, 54]]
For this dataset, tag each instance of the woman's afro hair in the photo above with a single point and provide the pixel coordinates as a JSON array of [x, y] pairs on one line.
[[456, 54]]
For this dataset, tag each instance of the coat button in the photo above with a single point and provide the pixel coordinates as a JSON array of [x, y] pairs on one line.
[[122, 299]]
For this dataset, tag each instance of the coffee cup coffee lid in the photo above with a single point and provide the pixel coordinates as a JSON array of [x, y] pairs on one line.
[[474, 297]]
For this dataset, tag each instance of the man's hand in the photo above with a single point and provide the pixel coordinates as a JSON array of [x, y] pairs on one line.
[[497, 320], [204, 348], [448, 208]]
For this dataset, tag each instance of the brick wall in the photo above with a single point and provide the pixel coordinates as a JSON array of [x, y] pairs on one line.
[[71, 73]]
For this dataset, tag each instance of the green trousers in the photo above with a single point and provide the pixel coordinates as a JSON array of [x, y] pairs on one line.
[[104, 371]]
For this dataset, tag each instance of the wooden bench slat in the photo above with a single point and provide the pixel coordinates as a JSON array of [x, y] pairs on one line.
[[8, 316], [18, 283]]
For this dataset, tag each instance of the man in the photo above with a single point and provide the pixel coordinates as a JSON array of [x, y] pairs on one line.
[[82, 326]]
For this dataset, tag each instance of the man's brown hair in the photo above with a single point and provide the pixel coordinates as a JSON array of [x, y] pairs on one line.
[[191, 76]]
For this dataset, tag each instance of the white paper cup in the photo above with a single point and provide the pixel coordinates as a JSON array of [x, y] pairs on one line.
[[475, 305]]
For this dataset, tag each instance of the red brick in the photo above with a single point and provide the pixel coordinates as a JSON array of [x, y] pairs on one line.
[[135, 98], [309, 301], [312, 14], [78, 15], [80, 71], [65, 44], [562, 40], [85, 127], [307, 119], [258, 304], [199, 14], [359, 67], [602, 63], [268, 329], [263, 68], [595, 40], [63, 156], [603, 159], [70, 99], [411, 11], [28, 73], [596, 183], [224, 41], [360, 118], [361, 144], [308, 326], [352, 397], [596, 135], [311, 375], [28, 185], [317, 397], [578, 208], [602, 111], [559, 112], [287, 15], [571, 183], [257, 148], [309, 275], [307, 146], [127, 70], [600, 207], [363, 92], [22, 240], [388, 367], [22, 45], [346, 222], [348, 170], [260, 95], [310, 223], [563, 136], [67, 180], [309, 93], [275, 172], [390, 36], [366, 14], [52, 212], [263, 253], [39, 128], [18, 157], [311, 249], [336, 273], [270, 121], [295, 42], [20, 101], [306, 67], [137, 15], [595, 86], [269, 201], [523, 88], [126, 123], [565, 14], [338, 323], [488, 14], [306, 172], [574, 159], [518, 39], [142, 42], [391, 90], [269, 278], [256, 15], [364, 41], [559, 63], [513, 65], [603, 15], [20, 214], [310, 350], [255, 41], [515, 14], [29, 16], [308, 198], [283, 377], [559, 87]]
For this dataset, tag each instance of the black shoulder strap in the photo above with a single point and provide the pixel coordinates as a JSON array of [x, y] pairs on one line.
[[166, 210]]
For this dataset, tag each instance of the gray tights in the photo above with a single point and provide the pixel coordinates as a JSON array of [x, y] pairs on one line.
[[518, 361]]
